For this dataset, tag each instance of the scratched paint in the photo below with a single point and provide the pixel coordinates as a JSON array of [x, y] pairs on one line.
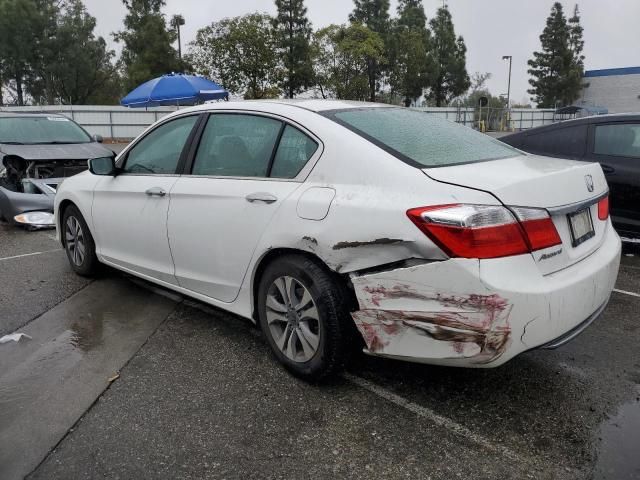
[[412, 320]]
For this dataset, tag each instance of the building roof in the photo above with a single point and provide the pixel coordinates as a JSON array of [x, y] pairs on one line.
[[611, 72]]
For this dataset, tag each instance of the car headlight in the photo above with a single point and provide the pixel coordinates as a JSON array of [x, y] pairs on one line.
[[36, 219]]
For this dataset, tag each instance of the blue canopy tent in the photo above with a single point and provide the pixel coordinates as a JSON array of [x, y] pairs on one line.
[[174, 89]]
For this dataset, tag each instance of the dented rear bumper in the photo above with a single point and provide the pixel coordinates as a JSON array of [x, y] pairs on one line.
[[480, 313]]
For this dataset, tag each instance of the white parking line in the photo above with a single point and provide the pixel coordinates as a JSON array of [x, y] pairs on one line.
[[633, 294], [439, 420], [30, 254]]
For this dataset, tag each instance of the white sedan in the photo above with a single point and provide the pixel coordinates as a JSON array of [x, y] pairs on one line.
[[333, 224]]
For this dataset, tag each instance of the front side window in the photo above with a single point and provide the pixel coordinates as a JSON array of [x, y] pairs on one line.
[[41, 130], [294, 151], [159, 152], [622, 139], [421, 139], [236, 145]]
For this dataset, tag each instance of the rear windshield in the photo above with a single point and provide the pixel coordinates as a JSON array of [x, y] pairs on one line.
[[422, 139], [40, 130]]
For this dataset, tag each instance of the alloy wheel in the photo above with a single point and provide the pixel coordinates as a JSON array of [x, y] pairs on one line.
[[293, 320], [75, 241]]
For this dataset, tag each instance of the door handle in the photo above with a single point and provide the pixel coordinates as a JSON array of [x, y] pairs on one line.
[[607, 168], [261, 197], [156, 192]]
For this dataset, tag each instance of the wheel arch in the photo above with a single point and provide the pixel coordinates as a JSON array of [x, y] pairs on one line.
[[64, 204], [275, 253]]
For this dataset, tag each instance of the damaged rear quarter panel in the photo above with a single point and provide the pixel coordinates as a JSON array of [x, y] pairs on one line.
[[434, 312]]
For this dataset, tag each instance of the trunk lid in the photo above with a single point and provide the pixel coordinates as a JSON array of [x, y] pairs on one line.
[[528, 180], [562, 187]]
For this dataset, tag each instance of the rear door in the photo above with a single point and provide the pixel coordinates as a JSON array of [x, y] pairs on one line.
[[616, 146], [242, 170]]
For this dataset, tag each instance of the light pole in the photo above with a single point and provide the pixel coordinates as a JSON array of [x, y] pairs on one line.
[[510, 58], [176, 22]]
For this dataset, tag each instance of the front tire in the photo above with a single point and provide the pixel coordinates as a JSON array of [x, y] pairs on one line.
[[303, 315], [78, 243]]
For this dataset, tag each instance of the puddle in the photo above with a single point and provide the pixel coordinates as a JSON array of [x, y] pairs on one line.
[[619, 451], [48, 382]]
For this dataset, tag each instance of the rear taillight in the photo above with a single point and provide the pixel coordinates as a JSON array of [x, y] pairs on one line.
[[603, 208], [538, 227], [485, 231]]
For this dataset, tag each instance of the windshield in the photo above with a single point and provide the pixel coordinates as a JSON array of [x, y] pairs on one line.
[[40, 130], [422, 139]]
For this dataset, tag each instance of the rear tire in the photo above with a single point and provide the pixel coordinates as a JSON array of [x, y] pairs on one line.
[[78, 242], [303, 314]]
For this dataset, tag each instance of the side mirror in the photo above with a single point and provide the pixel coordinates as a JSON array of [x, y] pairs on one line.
[[97, 138], [103, 166]]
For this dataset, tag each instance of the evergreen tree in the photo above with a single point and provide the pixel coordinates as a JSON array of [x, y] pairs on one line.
[[374, 14], [293, 36], [576, 42], [74, 66], [557, 70], [148, 44], [409, 58], [21, 34], [450, 78]]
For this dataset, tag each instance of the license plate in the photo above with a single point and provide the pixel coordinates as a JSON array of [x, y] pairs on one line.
[[581, 226]]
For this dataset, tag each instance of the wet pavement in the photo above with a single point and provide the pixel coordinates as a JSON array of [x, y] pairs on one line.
[[199, 396]]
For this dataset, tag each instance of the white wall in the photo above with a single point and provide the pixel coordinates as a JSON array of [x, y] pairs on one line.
[[618, 93]]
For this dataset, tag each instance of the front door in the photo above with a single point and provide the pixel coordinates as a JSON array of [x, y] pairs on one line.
[[130, 209], [245, 167]]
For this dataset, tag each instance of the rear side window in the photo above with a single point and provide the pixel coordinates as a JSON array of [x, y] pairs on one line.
[[236, 145], [421, 139], [159, 152], [622, 139], [294, 151], [566, 141]]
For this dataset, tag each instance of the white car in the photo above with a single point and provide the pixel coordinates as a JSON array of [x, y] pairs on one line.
[[440, 244]]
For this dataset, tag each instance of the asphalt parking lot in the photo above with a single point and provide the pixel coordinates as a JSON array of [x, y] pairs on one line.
[[123, 381]]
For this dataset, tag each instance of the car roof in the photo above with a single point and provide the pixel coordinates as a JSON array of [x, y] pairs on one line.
[[594, 119], [313, 105]]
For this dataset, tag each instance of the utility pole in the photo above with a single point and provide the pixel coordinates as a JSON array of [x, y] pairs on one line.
[[176, 22], [510, 58]]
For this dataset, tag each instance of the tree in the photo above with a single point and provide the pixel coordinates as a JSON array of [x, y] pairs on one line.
[[240, 54], [450, 78], [558, 68], [21, 34], [576, 43], [293, 34], [341, 57], [77, 67], [409, 51], [373, 14], [148, 44]]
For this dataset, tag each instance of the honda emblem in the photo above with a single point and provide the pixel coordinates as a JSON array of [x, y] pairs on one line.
[[589, 181]]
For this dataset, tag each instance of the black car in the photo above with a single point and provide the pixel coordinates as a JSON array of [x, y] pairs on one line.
[[611, 140], [37, 150]]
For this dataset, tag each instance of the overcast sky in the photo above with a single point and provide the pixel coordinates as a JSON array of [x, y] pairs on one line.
[[491, 29]]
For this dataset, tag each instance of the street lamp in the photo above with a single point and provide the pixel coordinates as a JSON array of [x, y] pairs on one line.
[[510, 58]]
